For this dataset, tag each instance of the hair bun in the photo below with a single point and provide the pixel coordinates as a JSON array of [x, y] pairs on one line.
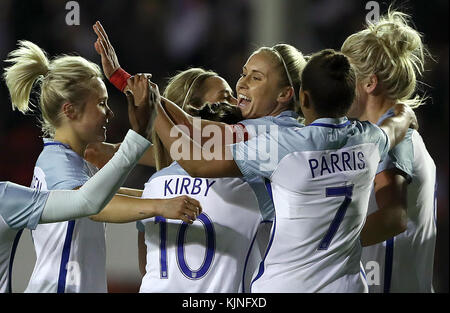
[[338, 65]]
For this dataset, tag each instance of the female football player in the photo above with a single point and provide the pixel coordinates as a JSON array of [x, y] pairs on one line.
[[320, 175], [400, 231], [73, 102]]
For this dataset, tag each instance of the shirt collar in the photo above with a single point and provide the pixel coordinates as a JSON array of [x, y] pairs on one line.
[[51, 142], [287, 113], [331, 122]]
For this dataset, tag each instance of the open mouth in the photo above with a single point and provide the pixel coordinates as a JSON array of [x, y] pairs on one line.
[[243, 100]]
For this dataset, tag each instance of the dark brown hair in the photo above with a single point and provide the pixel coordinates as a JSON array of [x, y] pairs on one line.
[[218, 112], [330, 80]]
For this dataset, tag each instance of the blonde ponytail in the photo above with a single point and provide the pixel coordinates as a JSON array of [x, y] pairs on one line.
[[392, 50], [30, 64]]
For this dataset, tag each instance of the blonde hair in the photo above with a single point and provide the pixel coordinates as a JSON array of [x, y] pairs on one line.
[[185, 90], [292, 63], [393, 51], [65, 78], [186, 87]]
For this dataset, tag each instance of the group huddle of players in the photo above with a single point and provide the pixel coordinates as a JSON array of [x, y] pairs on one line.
[[305, 180]]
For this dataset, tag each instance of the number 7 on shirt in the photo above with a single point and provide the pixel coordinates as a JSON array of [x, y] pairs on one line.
[[344, 191]]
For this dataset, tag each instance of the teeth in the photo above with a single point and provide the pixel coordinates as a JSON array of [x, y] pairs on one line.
[[244, 98]]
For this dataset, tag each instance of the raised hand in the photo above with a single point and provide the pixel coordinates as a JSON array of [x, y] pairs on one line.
[[142, 95], [100, 153], [143, 90], [110, 62], [397, 126], [182, 208]]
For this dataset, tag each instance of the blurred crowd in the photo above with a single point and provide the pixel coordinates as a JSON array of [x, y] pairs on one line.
[[163, 36]]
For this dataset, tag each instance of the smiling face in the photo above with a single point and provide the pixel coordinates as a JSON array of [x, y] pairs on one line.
[[217, 90], [90, 125], [259, 86]]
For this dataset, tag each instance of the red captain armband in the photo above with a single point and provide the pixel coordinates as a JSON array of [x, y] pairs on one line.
[[119, 78], [239, 132]]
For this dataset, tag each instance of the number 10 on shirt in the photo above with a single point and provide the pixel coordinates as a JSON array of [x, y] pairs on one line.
[[180, 250]]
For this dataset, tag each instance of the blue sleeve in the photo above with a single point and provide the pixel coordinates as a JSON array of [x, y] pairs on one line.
[[256, 156], [21, 207], [260, 156], [257, 126], [64, 169], [400, 157]]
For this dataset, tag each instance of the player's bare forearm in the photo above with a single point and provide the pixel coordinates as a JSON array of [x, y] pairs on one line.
[[196, 161], [391, 217], [125, 209], [148, 158], [192, 124], [175, 113], [383, 225], [130, 192]]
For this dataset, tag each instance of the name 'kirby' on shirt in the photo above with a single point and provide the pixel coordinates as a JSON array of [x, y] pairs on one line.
[[187, 185], [337, 162]]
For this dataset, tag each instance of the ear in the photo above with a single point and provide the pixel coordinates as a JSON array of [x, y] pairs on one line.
[[69, 111], [305, 101], [370, 84], [286, 95]]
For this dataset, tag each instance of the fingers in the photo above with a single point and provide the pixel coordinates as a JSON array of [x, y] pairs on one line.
[[401, 108], [193, 205], [131, 109], [96, 30], [192, 208], [97, 47], [138, 84], [103, 39], [100, 31], [130, 98], [100, 36], [102, 47], [187, 219], [183, 208]]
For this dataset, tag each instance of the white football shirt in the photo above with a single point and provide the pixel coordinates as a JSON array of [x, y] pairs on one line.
[[321, 176], [405, 263], [219, 251], [20, 207], [70, 256]]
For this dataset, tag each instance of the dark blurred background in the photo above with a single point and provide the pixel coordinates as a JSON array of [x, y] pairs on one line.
[[161, 37]]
